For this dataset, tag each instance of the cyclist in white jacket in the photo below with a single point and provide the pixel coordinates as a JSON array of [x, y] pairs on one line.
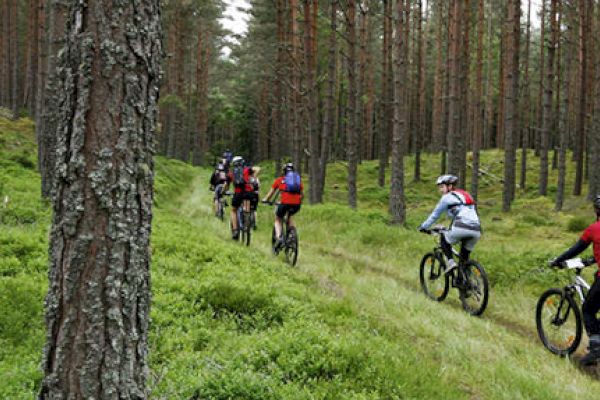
[[465, 226]]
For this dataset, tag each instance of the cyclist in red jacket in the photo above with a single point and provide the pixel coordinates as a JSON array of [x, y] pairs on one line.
[[239, 176], [291, 198], [591, 305]]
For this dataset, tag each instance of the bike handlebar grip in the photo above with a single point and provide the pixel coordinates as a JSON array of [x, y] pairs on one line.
[[589, 261]]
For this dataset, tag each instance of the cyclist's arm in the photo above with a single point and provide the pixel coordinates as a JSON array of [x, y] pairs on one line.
[[269, 195], [577, 248], [439, 209]]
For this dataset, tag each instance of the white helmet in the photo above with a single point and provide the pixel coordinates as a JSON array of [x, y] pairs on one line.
[[237, 160], [447, 180]]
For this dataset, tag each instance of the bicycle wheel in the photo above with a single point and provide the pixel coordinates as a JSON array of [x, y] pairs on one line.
[[433, 280], [220, 210], [291, 247], [247, 228], [558, 321], [474, 292]]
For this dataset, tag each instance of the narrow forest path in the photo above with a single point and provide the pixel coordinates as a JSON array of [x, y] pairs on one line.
[[483, 356]]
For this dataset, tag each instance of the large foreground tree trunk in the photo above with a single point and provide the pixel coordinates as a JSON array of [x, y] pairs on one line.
[[98, 302]]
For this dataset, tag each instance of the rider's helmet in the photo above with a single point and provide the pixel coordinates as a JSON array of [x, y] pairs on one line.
[[288, 167], [597, 203], [237, 160], [447, 180]]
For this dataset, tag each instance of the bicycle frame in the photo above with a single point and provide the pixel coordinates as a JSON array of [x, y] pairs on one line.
[[578, 285]]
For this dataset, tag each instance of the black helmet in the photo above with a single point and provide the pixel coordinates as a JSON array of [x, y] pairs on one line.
[[288, 167], [597, 203], [447, 180]]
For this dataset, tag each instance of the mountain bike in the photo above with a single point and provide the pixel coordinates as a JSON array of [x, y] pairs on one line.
[[290, 239], [469, 278], [245, 221], [558, 316], [221, 204]]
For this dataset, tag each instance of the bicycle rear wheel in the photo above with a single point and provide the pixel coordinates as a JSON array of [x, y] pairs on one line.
[[220, 210], [433, 280], [474, 291], [558, 321], [247, 228], [291, 247]]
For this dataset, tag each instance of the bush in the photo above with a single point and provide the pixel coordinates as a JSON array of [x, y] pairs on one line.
[[577, 224]]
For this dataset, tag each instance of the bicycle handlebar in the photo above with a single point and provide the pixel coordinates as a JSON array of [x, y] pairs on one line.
[[434, 230], [576, 263]]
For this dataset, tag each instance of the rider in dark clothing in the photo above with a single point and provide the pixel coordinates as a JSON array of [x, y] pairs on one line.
[[591, 305]]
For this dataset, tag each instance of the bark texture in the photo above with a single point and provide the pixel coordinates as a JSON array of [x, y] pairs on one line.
[[98, 301]]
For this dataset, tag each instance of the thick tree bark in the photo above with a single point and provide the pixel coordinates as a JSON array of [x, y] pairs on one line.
[[15, 60], [98, 302], [47, 126], [312, 97], [538, 127], [513, 31], [420, 117], [438, 95], [203, 53], [594, 136], [29, 90], [397, 206]]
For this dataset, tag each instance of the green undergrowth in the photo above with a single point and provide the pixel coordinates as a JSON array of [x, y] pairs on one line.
[[349, 322]]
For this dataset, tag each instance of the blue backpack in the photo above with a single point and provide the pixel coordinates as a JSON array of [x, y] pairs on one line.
[[292, 182]]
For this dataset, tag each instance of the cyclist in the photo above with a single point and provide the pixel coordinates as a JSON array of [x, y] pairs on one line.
[[239, 176], [227, 157], [218, 180], [255, 194], [465, 226], [291, 188], [591, 305]]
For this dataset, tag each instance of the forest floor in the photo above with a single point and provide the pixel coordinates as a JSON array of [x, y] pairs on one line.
[[349, 322]]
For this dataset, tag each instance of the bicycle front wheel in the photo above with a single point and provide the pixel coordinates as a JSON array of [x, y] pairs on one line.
[[433, 279], [474, 292], [291, 247], [558, 321]]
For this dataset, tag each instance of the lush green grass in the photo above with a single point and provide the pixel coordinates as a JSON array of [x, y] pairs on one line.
[[348, 323]]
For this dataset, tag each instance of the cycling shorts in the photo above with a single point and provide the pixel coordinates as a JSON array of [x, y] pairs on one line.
[[238, 198], [289, 209]]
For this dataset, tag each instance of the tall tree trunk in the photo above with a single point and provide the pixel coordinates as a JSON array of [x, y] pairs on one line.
[[513, 27], [456, 138], [438, 94], [594, 137], [420, 120], [489, 106], [352, 134], [386, 77], [526, 105], [30, 90], [584, 13], [397, 205], [330, 114], [563, 127], [202, 72], [478, 117], [15, 60], [537, 131], [547, 106], [98, 301], [312, 97], [294, 104]]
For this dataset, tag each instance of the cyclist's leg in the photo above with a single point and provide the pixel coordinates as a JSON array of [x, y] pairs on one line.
[[468, 244], [446, 246], [279, 215], [292, 210], [589, 309], [236, 202]]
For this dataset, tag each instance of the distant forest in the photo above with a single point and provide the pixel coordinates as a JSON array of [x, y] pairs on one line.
[[319, 81]]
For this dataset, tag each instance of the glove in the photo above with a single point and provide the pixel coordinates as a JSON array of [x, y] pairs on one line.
[[552, 263], [421, 229]]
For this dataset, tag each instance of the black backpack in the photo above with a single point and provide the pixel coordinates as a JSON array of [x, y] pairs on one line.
[[238, 176]]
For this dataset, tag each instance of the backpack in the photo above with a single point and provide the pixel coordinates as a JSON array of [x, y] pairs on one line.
[[238, 177], [292, 182]]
